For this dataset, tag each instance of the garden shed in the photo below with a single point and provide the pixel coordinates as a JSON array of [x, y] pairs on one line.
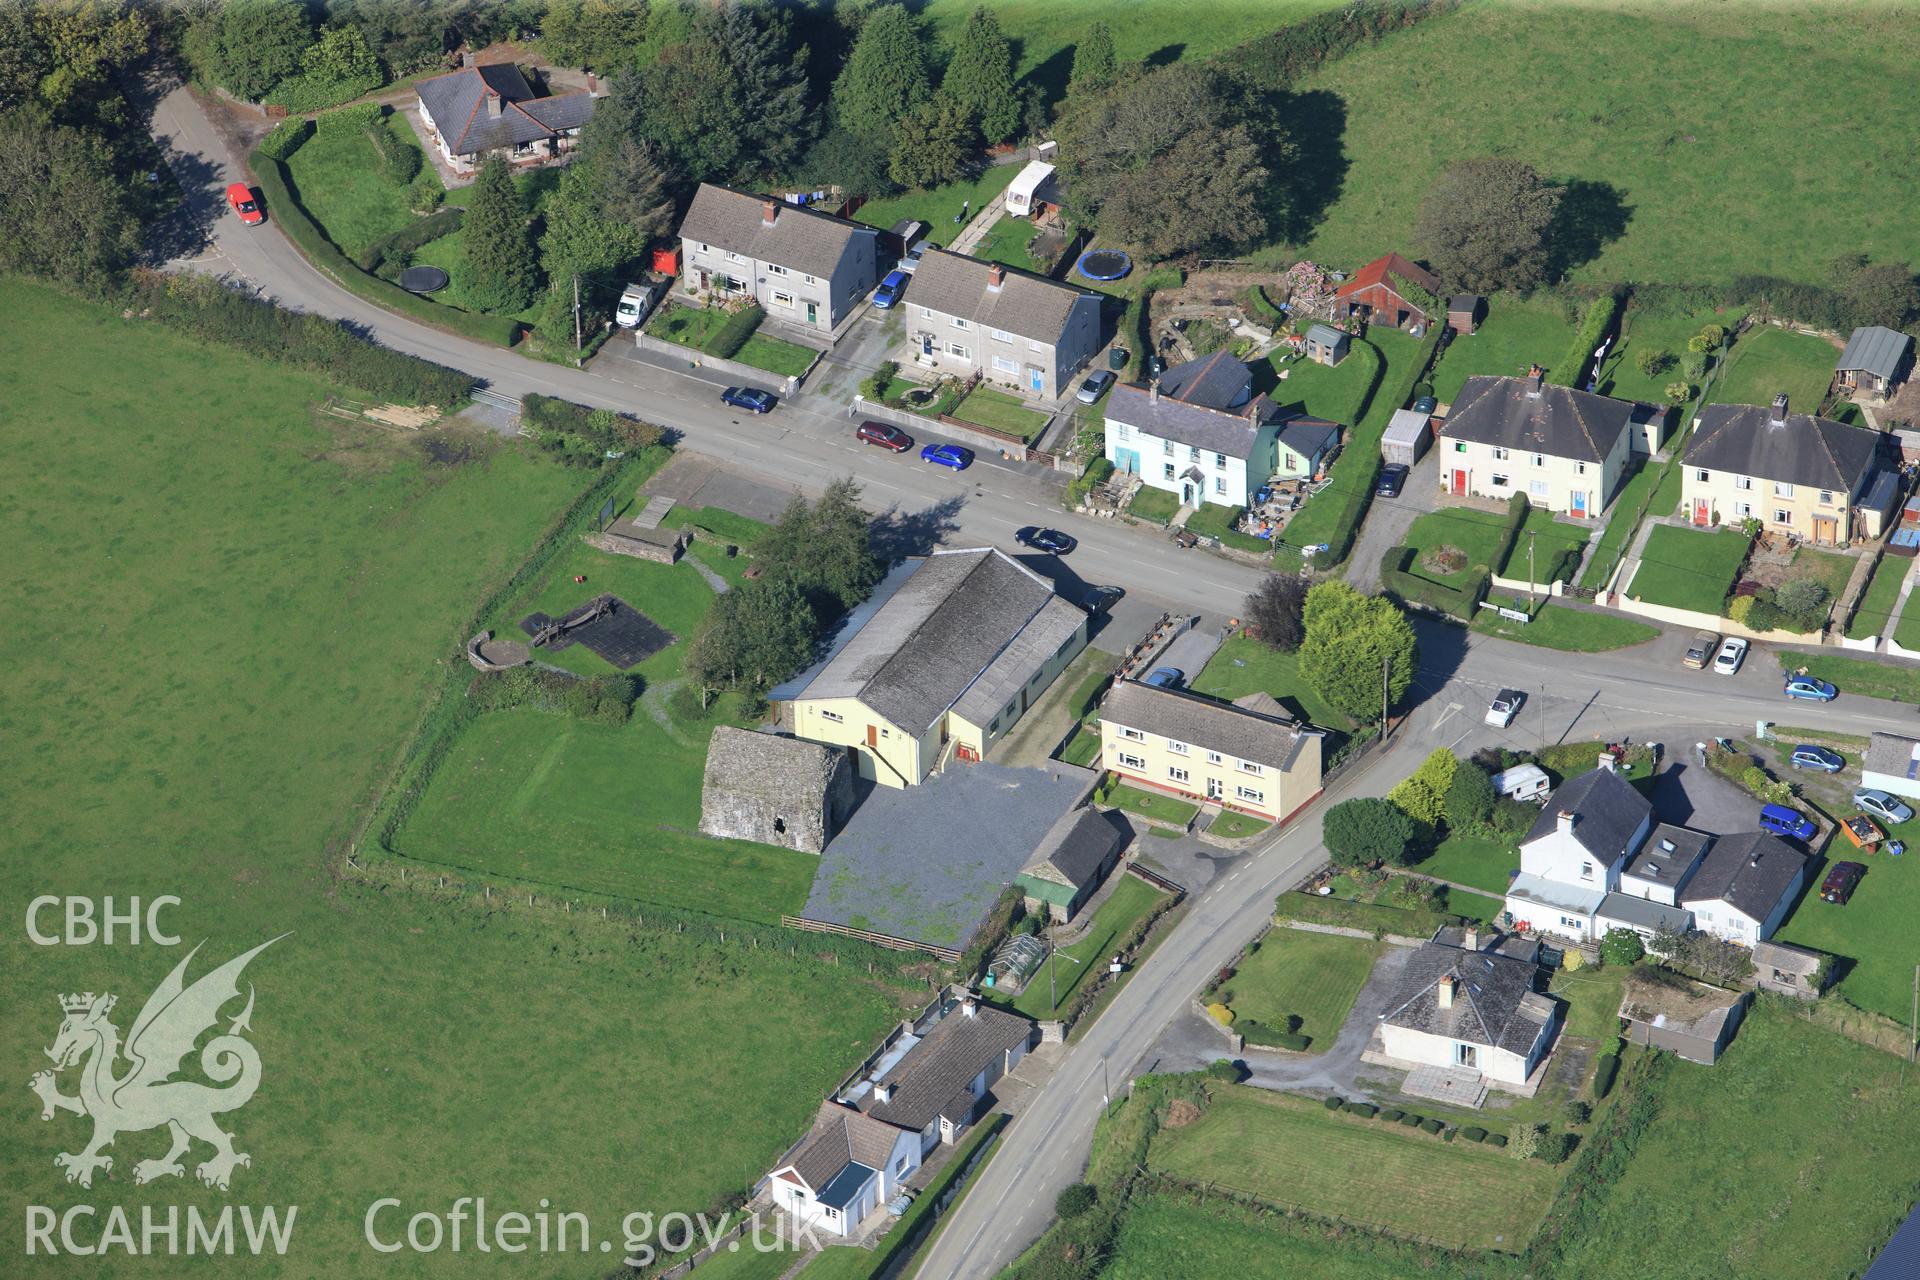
[[1463, 312], [1326, 344], [1406, 437]]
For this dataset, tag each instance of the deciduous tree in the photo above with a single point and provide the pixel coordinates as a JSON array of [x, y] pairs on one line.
[[1484, 224], [260, 43], [1622, 946], [1366, 830], [498, 273], [826, 547], [1470, 796], [979, 78], [64, 214], [1422, 795]]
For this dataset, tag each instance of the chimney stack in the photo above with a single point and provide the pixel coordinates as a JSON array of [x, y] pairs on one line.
[[1535, 374], [1779, 412], [769, 212], [996, 276], [496, 103], [466, 59], [882, 1092], [1470, 939], [967, 1007], [1566, 820], [1447, 984], [1153, 391]]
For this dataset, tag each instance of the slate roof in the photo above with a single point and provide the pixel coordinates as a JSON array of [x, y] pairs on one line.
[[1027, 306], [1900, 1260], [458, 103], [1606, 808], [1382, 269], [1273, 741], [1894, 755], [945, 627], [1234, 433], [929, 1081], [1668, 867], [1308, 436], [769, 767], [1217, 381], [1642, 913], [1558, 421], [799, 239], [1798, 448], [1494, 1003], [1463, 302], [1328, 336], [1079, 845], [1876, 350], [840, 1136], [1750, 872]]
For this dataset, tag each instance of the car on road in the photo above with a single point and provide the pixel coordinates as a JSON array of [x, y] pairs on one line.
[[885, 435], [947, 455], [1883, 805], [1425, 404], [1733, 652], [1842, 879], [1051, 541], [1393, 477], [1810, 688], [1100, 600], [1782, 821], [240, 197], [1097, 382], [752, 399], [1700, 650], [1504, 707], [1166, 678], [890, 289], [1807, 756]]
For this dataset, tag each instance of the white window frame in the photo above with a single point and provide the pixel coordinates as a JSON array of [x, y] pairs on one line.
[[1781, 489], [959, 352], [832, 717], [1700, 474], [1001, 335], [1539, 459], [1740, 482], [1499, 453], [1004, 365], [1248, 766], [1213, 757], [1219, 484], [1177, 748], [1251, 794], [1537, 488], [1743, 509], [1131, 735], [775, 269], [962, 323], [781, 298], [1826, 497], [1176, 774], [1500, 481], [1781, 515], [1130, 761]]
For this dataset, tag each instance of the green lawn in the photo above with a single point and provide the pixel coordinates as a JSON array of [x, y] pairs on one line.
[[1514, 335], [1689, 568], [1654, 101], [449, 253], [688, 325], [1767, 361], [1875, 610], [1237, 826], [776, 355], [989, 408], [1476, 534], [1149, 804], [1549, 538], [1242, 666], [1315, 976], [1643, 331], [336, 177], [1291, 1151], [1470, 860], [1874, 930], [1216, 521], [1800, 1140], [1593, 999], [1623, 519], [1007, 242], [1478, 906], [271, 595], [1154, 504], [1130, 900], [696, 327], [1830, 569], [1338, 394], [936, 206], [1084, 749], [1558, 627]]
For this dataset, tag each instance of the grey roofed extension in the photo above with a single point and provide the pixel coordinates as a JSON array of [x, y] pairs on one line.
[[1494, 1004], [1668, 866], [1025, 654], [1308, 436], [1643, 913], [937, 634], [841, 1135], [1217, 381], [1080, 844], [1786, 958], [1024, 305], [799, 239], [1876, 350], [1893, 755], [1749, 872], [1326, 335], [1268, 740], [1558, 421], [929, 1080], [457, 102], [1607, 811], [1799, 449]]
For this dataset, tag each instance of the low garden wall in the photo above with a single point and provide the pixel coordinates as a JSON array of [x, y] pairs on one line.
[[978, 437], [732, 368], [1716, 622]]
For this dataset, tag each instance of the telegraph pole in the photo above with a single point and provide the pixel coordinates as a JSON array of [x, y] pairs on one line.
[[1386, 668], [576, 311]]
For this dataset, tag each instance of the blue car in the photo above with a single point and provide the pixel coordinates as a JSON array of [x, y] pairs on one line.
[[1782, 821], [1166, 678], [752, 399], [890, 289], [947, 455], [1808, 687], [1811, 757]]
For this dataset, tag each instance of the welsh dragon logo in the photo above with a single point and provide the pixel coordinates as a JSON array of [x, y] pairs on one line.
[[145, 1095]]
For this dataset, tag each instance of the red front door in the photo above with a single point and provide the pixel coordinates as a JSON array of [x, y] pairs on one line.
[[1702, 512], [873, 735], [1459, 481]]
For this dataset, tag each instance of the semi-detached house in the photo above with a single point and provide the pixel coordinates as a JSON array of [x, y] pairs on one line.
[[1794, 472], [1025, 332], [1566, 450], [802, 266]]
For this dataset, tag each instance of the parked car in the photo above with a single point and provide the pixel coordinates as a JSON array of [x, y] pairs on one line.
[[752, 399], [1504, 707], [1842, 879], [1883, 805], [1051, 541], [947, 455], [1782, 821], [890, 289], [911, 262], [885, 435], [1733, 652], [1393, 477], [1808, 687], [635, 302], [1101, 600], [1166, 678], [240, 197], [1807, 756], [1700, 650], [1425, 404], [1096, 384]]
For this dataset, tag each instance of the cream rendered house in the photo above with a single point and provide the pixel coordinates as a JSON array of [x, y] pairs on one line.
[[1470, 1003], [939, 665], [1794, 472], [1566, 450], [1249, 756]]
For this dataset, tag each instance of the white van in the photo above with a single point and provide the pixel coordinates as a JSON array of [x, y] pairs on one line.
[[1523, 782], [635, 304]]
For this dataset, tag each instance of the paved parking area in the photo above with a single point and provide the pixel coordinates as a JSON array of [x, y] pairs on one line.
[[1388, 520], [1689, 795], [1191, 650]]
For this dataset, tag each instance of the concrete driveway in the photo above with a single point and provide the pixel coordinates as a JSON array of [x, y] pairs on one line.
[[1191, 650], [1388, 520]]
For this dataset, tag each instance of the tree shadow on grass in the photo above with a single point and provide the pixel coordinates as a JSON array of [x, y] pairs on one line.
[[1050, 76], [1165, 56], [1591, 216], [1304, 189]]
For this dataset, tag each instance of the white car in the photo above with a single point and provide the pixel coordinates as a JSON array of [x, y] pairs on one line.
[[1504, 707], [1733, 652]]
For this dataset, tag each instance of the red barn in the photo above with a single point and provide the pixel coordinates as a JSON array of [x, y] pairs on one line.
[[1377, 293]]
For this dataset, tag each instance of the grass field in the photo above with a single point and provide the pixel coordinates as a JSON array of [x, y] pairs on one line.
[[1688, 568], [1766, 361], [1514, 335], [270, 597], [1799, 1139], [1650, 104], [1874, 930], [989, 408], [1131, 899], [1242, 666], [1316, 976], [1338, 394], [1290, 1151], [337, 178]]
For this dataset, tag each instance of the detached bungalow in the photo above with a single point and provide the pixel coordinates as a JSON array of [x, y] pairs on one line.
[[1025, 332], [1792, 471], [1392, 291], [1472, 1009], [802, 266], [1566, 450], [476, 112], [846, 1167]]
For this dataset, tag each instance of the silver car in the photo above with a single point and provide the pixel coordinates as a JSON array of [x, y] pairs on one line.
[[1096, 382], [1880, 804]]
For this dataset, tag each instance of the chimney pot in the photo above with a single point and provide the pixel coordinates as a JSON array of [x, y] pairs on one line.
[[882, 1092], [1153, 391], [1566, 819], [1779, 413], [769, 211], [1471, 939]]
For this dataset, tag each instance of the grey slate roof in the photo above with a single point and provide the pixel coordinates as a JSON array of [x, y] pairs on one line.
[[1750, 872], [921, 652], [1024, 655], [1664, 866], [1327, 335], [1273, 741], [1308, 436], [799, 239], [1558, 420], [1212, 430], [768, 766], [1080, 844], [1900, 1260], [1643, 913], [1027, 306], [841, 1135], [1494, 1003], [1216, 381], [1463, 302], [459, 105], [1876, 350], [929, 1080], [1892, 754], [1606, 808], [1799, 449]]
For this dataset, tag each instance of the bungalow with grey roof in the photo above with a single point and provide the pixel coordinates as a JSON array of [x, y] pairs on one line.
[[1026, 332], [802, 266], [480, 111], [1471, 1006]]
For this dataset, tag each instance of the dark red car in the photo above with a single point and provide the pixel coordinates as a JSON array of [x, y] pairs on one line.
[[240, 196], [1841, 881], [887, 437]]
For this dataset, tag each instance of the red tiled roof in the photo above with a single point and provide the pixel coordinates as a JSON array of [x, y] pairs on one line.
[[1377, 271]]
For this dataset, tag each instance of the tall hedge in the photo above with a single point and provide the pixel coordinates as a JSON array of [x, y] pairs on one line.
[[286, 138], [1517, 508], [734, 332], [400, 161], [413, 236], [1594, 325], [1280, 58]]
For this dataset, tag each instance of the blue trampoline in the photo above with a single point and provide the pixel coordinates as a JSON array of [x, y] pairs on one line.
[[1103, 264]]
